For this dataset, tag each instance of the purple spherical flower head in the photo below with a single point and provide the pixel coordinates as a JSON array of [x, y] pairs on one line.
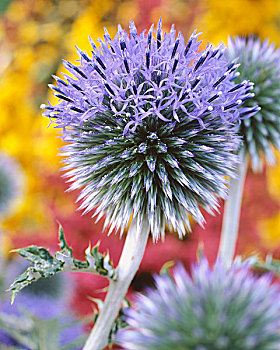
[[260, 63], [149, 120], [211, 309]]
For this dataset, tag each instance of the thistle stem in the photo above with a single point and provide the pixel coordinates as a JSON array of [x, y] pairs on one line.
[[129, 262], [231, 216]]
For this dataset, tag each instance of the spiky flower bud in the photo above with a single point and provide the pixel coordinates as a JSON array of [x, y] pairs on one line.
[[259, 63], [213, 309], [11, 183], [149, 121]]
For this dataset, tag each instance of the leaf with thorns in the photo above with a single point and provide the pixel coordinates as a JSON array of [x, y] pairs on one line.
[[45, 265], [119, 323], [269, 264]]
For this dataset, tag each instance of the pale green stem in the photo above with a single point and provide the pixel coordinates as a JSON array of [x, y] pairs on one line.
[[231, 216], [130, 260]]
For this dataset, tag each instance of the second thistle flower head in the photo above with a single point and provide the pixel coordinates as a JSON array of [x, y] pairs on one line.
[[213, 309], [260, 63], [149, 121]]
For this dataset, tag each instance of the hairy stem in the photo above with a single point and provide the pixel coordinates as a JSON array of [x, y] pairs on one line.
[[232, 214], [130, 260]]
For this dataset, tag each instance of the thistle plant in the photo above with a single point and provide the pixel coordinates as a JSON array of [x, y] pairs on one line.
[[150, 124], [209, 309], [260, 63]]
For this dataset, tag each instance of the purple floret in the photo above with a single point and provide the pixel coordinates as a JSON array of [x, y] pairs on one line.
[[144, 76]]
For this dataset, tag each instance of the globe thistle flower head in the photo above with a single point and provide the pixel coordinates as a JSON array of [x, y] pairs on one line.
[[209, 309], [149, 121], [260, 63], [11, 183]]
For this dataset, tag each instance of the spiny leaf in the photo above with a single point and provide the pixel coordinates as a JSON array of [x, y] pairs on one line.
[[45, 265], [62, 241], [166, 267], [200, 252], [120, 322], [269, 264]]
